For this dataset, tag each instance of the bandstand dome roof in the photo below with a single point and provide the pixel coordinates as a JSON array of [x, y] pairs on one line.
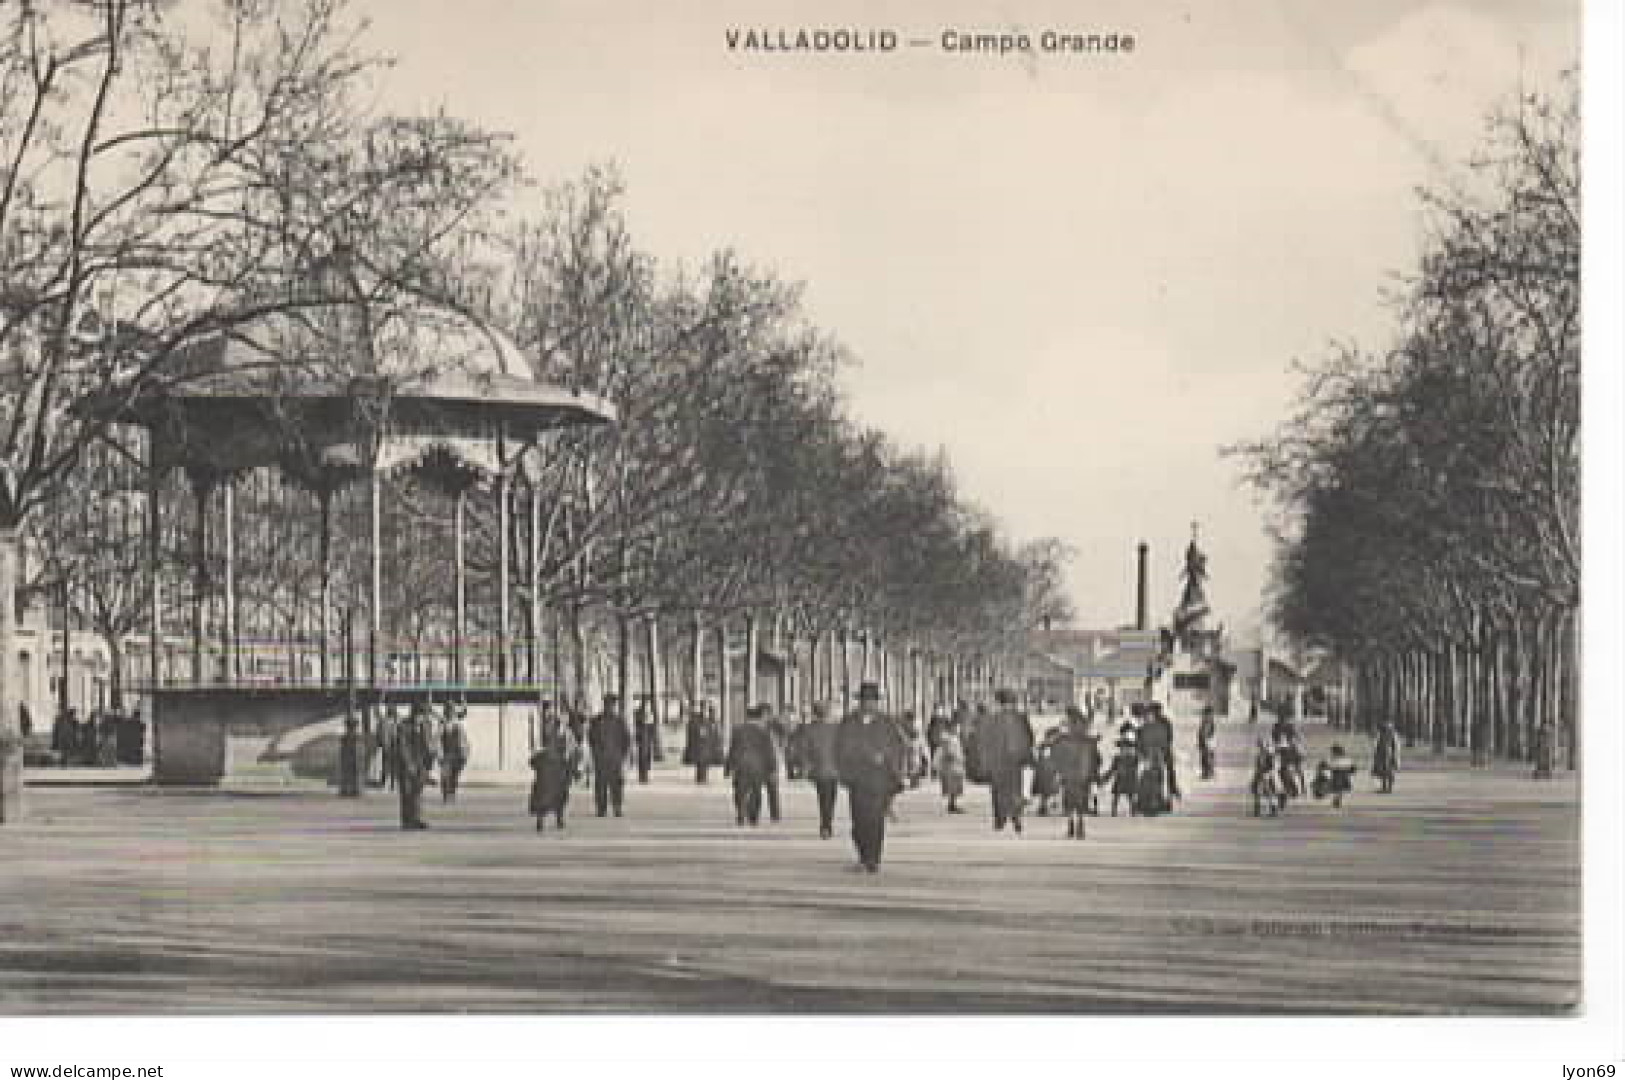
[[241, 398]]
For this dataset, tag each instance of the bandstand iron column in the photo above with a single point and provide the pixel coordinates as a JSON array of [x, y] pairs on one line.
[[459, 619], [535, 633], [504, 555], [155, 596], [231, 667], [202, 481], [375, 575]]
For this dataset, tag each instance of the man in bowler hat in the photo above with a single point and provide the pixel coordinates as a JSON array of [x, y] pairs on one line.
[[871, 756]]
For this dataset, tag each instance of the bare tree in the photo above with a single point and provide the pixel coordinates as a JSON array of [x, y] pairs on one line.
[[169, 171]]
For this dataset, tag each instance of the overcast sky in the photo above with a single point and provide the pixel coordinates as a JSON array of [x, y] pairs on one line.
[[1080, 275]]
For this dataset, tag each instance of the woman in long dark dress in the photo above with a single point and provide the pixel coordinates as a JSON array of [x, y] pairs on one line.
[[1046, 783], [553, 767]]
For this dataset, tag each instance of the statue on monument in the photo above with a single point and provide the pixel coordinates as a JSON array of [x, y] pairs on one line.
[[1191, 615]]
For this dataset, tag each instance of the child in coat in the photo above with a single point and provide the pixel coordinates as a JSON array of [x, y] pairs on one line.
[[1338, 774], [950, 766], [1046, 784], [1266, 782], [1124, 774], [1076, 756]]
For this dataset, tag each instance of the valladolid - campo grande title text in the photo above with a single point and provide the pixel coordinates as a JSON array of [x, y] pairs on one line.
[[807, 40]]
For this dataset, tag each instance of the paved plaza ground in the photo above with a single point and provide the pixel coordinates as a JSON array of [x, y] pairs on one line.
[[1459, 893]]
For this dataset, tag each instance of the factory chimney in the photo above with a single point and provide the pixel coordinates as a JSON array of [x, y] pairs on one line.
[[1142, 619]]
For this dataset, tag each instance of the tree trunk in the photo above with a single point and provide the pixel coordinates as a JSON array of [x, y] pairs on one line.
[[651, 643], [696, 663], [724, 714], [623, 662], [1570, 653], [555, 648], [752, 646], [11, 736], [578, 659], [814, 641], [845, 674], [115, 672], [1434, 684]]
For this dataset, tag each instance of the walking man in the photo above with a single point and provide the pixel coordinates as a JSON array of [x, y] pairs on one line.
[[1207, 737], [750, 763], [1007, 748], [454, 750], [389, 725], [350, 759], [414, 759], [870, 756], [703, 747], [611, 741], [1385, 758], [816, 752], [643, 734]]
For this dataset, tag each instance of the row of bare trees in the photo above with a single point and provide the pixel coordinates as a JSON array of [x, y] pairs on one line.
[[170, 171], [1433, 489]]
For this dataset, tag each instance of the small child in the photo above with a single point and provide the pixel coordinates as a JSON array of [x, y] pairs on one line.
[[1266, 782], [1340, 775], [1124, 774]]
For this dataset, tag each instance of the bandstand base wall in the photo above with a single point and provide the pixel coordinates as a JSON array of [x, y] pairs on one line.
[[210, 737]]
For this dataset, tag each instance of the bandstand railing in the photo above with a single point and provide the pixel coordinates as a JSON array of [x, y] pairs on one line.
[[277, 665]]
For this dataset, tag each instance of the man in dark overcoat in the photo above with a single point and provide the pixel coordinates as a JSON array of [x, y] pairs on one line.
[[611, 740], [454, 750], [871, 758], [350, 759], [643, 737], [750, 764], [816, 752], [388, 727], [703, 746], [415, 753], [1007, 748]]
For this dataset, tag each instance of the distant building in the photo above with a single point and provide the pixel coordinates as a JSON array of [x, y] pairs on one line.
[[1070, 666], [40, 675]]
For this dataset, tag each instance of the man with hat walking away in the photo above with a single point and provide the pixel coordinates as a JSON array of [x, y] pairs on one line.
[[1007, 748], [871, 758], [611, 741], [454, 750], [815, 750], [750, 763], [414, 761]]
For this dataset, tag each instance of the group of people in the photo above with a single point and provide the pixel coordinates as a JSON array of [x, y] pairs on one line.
[[597, 750], [873, 755], [868, 753], [1278, 768], [410, 750], [104, 738]]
